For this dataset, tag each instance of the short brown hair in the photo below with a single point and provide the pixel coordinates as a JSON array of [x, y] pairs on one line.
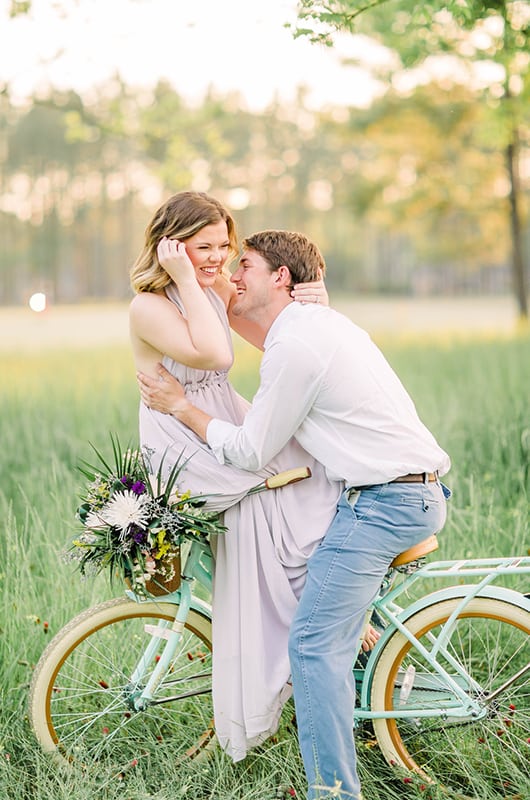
[[290, 249]]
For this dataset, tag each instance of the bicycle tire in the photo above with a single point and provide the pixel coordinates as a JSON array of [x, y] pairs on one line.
[[491, 639], [80, 696]]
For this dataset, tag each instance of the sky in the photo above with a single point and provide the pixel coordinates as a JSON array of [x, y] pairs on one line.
[[228, 44]]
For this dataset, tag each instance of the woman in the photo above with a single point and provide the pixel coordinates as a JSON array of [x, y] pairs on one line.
[[260, 562]]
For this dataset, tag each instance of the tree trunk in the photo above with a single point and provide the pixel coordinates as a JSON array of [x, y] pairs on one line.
[[518, 267]]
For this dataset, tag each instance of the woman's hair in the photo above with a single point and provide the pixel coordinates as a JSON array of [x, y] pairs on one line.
[[289, 248], [180, 217]]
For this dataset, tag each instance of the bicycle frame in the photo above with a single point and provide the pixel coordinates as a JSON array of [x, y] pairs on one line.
[[198, 566], [488, 570]]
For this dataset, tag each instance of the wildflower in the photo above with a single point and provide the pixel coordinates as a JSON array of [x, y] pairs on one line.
[[150, 567], [93, 521], [139, 535], [124, 509]]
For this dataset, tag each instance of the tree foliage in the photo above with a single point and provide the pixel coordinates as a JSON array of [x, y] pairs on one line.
[[410, 194], [468, 32], [402, 196]]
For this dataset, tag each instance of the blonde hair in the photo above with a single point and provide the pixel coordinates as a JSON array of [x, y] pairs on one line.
[[180, 217]]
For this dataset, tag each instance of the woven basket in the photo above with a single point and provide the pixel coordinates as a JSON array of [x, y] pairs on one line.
[[158, 584]]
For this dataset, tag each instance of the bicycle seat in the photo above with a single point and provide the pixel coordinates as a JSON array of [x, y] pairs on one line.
[[418, 551]]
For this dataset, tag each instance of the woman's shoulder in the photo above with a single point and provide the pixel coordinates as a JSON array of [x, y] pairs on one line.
[[143, 300], [224, 289], [145, 304]]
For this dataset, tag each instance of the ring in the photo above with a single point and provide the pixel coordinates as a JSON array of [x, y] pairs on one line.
[[318, 299]]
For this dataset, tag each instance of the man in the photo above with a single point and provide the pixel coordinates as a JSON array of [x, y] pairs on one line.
[[324, 382]]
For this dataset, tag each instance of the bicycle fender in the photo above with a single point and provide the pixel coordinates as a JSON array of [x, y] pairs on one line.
[[463, 590], [449, 593], [201, 606]]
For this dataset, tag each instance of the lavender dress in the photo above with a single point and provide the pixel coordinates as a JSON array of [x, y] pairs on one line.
[[260, 562]]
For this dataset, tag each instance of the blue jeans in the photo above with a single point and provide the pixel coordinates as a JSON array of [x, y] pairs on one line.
[[344, 575]]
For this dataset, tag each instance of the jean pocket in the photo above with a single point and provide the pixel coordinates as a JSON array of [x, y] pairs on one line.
[[417, 495]]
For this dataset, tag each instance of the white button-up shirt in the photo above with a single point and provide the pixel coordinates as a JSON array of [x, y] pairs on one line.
[[326, 383]]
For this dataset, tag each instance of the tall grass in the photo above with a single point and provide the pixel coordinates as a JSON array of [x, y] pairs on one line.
[[472, 395]]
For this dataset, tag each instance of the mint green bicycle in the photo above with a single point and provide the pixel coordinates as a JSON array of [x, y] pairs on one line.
[[445, 692]]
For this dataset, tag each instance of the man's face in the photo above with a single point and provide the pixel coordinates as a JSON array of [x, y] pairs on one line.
[[253, 280]]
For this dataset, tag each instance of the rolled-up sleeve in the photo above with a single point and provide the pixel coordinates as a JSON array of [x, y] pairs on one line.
[[289, 382]]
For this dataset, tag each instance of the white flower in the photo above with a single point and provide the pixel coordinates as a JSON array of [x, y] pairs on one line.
[[94, 521], [123, 510]]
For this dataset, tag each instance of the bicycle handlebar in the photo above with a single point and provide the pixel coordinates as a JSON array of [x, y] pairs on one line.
[[288, 476]]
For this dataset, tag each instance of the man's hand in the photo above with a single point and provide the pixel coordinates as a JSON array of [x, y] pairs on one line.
[[164, 393]]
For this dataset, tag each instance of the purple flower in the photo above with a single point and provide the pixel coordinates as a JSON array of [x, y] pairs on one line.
[[139, 536], [126, 481], [138, 487]]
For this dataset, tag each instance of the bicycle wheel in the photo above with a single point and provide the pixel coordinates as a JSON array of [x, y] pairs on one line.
[[81, 696], [488, 646]]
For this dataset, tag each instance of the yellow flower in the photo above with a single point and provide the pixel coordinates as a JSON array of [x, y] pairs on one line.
[[162, 550]]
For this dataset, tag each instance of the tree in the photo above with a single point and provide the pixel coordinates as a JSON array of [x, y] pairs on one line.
[[468, 31]]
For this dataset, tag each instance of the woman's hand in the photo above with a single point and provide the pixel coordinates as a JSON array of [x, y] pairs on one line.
[[313, 292], [164, 393], [174, 259]]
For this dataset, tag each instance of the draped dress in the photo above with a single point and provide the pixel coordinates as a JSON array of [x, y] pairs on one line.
[[260, 562]]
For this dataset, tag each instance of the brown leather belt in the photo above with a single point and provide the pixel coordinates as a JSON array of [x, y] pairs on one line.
[[413, 477], [419, 477]]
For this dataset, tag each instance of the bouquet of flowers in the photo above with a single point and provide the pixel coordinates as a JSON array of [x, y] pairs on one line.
[[133, 522]]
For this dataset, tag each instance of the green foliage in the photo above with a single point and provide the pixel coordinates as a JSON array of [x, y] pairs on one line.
[[470, 31], [19, 7], [437, 164], [413, 189], [430, 27], [407, 170]]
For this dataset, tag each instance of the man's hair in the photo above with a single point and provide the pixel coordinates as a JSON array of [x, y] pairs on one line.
[[293, 250]]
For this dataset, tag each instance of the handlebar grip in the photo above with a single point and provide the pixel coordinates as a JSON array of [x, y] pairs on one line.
[[289, 476]]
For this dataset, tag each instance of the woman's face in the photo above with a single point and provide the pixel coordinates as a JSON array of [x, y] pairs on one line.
[[208, 250]]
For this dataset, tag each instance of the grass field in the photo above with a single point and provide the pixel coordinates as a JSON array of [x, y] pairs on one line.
[[472, 393]]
